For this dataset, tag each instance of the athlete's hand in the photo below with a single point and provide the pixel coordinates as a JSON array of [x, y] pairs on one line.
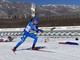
[[41, 30]]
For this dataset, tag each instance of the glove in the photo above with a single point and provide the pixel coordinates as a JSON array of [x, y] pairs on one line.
[[37, 31], [41, 30]]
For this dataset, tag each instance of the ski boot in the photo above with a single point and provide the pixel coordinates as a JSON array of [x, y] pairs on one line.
[[14, 49], [34, 48]]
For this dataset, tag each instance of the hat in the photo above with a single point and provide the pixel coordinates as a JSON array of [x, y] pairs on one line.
[[36, 19]]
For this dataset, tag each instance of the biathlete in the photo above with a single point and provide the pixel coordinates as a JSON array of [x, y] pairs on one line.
[[9, 39], [32, 26]]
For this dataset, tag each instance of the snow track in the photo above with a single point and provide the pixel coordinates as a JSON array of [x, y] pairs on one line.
[[61, 52]]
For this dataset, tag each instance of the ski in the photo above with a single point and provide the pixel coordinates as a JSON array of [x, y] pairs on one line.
[[43, 51], [39, 50]]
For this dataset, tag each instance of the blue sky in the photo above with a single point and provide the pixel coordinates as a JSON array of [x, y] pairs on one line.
[[43, 2]]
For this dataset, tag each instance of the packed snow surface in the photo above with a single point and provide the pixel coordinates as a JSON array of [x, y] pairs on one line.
[[55, 50]]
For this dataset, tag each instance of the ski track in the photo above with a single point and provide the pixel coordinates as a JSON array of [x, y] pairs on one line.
[[60, 52]]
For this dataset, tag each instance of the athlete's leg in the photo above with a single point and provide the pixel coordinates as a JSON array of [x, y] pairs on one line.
[[23, 38], [21, 41], [35, 39]]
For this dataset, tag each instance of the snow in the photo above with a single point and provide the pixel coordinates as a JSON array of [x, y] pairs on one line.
[[4, 0], [58, 51], [1, 6], [50, 5]]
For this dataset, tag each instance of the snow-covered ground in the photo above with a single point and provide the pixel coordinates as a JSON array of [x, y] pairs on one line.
[[57, 51]]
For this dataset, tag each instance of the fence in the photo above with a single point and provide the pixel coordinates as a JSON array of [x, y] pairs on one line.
[[58, 31]]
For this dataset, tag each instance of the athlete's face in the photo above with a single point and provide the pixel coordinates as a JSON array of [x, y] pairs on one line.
[[34, 22]]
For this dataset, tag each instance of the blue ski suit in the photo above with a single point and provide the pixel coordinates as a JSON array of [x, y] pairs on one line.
[[27, 33]]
